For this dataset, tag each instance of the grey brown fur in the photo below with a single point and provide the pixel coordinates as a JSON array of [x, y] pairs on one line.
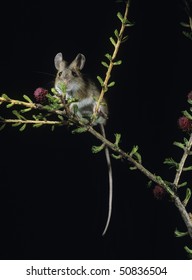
[[86, 96]]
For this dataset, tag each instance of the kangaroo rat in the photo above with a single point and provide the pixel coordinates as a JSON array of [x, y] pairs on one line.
[[86, 95]]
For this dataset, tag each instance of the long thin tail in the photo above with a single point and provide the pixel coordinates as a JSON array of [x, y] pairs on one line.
[[110, 182]]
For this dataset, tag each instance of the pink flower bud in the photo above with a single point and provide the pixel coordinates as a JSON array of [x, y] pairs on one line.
[[158, 192], [40, 94], [189, 96], [184, 123]]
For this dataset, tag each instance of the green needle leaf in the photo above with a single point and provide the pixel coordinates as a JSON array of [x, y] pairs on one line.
[[138, 156], [18, 115], [25, 110], [116, 32], [134, 153], [23, 127], [117, 139], [133, 168], [180, 234], [184, 24], [187, 115], [105, 64], [186, 141], [62, 87], [53, 90], [9, 105], [180, 145], [100, 80], [188, 196], [97, 149], [116, 156], [108, 56], [120, 16], [79, 130], [5, 96], [111, 84], [134, 150], [117, 62], [149, 184], [189, 168], [187, 34], [16, 124], [37, 125], [182, 185], [128, 23], [112, 41], [189, 251], [27, 98], [124, 39], [2, 126], [171, 162], [60, 117]]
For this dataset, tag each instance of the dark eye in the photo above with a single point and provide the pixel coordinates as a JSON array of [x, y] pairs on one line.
[[74, 73], [59, 74]]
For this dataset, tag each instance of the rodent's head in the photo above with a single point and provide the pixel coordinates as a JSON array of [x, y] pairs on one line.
[[70, 75]]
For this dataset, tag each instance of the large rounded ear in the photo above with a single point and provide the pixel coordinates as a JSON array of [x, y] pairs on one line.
[[59, 62], [78, 62]]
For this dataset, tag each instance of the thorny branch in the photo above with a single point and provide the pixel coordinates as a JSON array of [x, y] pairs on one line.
[[114, 55], [29, 105], [182, 162], [47, 122]]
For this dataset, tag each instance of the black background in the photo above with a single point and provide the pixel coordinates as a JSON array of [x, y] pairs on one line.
[[54, 191]]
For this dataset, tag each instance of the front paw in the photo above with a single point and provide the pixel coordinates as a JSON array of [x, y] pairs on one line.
[[73, 107]]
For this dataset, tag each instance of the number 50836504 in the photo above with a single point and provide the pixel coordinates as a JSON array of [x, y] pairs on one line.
[[143, 270]]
